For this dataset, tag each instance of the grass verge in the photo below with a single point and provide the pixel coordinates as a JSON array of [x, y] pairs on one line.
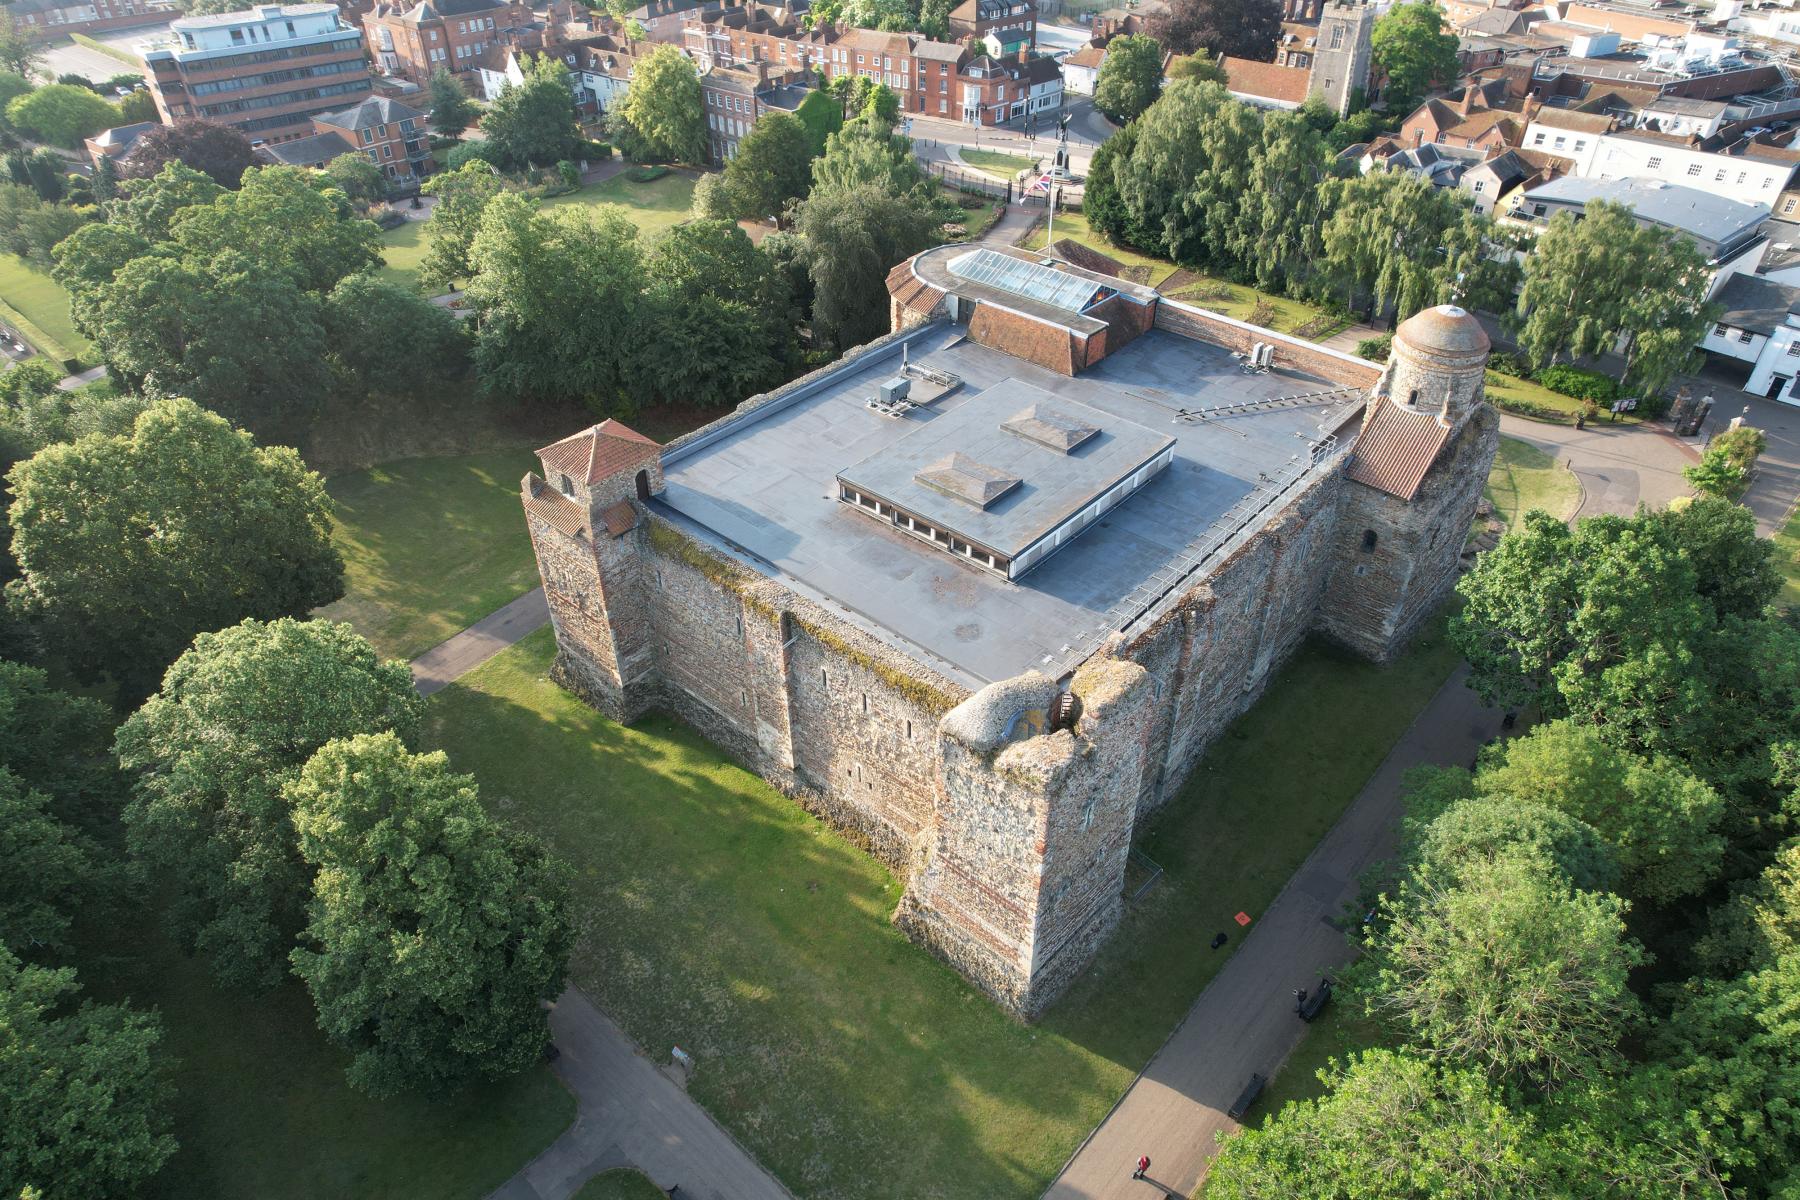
[[113, 52], [1338, 1033], [1787, 560], [992, 162], [1535, 402], [1524, 478], [714, 913], [430, 546], [42, 306], [262, 1111]]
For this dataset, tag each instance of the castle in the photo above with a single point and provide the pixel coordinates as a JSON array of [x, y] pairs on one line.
[[981, 592]]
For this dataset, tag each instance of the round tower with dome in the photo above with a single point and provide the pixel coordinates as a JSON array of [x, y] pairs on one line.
[[1412, 484]]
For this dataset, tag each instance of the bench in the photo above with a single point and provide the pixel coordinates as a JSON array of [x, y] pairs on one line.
[[1246, 1098]]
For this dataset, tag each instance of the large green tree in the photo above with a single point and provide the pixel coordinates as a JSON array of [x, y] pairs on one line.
[[722, 315], [452, 111], [59, 744], [129, 546], [663, 118], [534, 123], [1416, 48], [1240, 28], [1188, 174], [61, 114], [1591, 282], [148, 203], [1389, 1127], [237, 717], [1130, 77], [1478, 830], [84, 1103], [21, 49], [854, 236], [556, 298], [423, 349], [772, 167], [1277, 240], [220, 152], [435, 935], [462, 196], [45, 870], [1405, 245], [1503, 968], [280, 220], [1660, 821], [1649, 628]]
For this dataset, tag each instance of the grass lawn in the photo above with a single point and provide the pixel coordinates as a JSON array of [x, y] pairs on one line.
[[1503, 388], [1525, 478], [653, 207], [1787, 560], [622, 1184], [430, 545], [43, 301], [262, 1111], [1001, 166], [1202, 291], [713, 913]]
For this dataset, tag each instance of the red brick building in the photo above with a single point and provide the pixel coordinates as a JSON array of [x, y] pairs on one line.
[[412, 42], [1001, 25], [59, 18], [390, 134]]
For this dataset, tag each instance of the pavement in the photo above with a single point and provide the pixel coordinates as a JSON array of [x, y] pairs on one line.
[[632, 1113], [1243, 1022], [455, 657]]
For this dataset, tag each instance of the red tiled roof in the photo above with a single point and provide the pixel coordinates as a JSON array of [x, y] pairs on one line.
[[1250, 78], [1396, 448], [1087, 56], [554, 508], [593, 454], [912, 292]]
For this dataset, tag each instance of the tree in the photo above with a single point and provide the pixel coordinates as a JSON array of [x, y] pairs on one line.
[[138, 106], [1660, 820], [866, 151], [281, 218], [84, 1103], [881, 106], [1416, 47], [555, 296], [1724, 469], [422, 349], [1188, 174], [722, 316], [713, 201], [1407, 245], [1239, 28], [822, 116], [1761, 921], [1389, 1127], [1199, 66], [1503, 968], [45, 869], [462, 195], [1103, 205], [434, 935], [664, 118], [58, 744], [854, 236], [129, 546], [452, 112], [358, 178], [772, 167], [1629, 624], [220, 152], [151, 201], [533, 123], [45, 168], [1278, 236], [237, 717], [1480, 830], [21, 51], [1589, 283], [61, 114], [1732, 1054], [1130, 77]]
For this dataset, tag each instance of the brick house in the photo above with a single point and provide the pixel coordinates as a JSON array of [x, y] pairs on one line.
[[59, 18], [1001, 25], [735, 98], [392, 135], [1483, 117], [413, 42]]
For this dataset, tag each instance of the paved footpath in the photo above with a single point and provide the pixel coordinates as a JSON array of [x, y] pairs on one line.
[[1244, 1022], [450, 660], [631, 1114]]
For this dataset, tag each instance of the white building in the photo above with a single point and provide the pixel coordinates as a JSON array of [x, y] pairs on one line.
[[1760, 326], [1750, 170]]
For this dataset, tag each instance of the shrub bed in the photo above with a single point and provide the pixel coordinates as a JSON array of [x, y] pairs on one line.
[[1579, 383], [1375, 349]]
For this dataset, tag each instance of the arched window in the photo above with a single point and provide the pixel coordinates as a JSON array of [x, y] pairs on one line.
[[566, 484], [1368, 540], [1414, 398], [643, 485]]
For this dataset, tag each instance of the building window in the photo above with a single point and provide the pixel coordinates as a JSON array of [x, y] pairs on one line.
[[1558, 144], [1654, 163], [1538, 140], [1744, 335], [1694, 169], [1793, 349], [1368, 540], [1581, 144], [1787, 206], [1719, 176], [567, 485], [1721, 330]]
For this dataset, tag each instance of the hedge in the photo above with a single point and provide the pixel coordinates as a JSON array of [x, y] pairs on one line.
[[95, 44], [1579, 383], [1375, 349]]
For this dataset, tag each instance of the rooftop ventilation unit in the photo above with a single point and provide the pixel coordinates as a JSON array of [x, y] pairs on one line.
[[894, 390]]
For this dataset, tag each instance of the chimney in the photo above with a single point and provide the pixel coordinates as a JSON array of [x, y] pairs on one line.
[[1024, 53], [1467, 105]]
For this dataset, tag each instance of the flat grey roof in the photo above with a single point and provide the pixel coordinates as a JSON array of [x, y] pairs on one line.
[[765, 486], [1702, 214], [1053, 486]]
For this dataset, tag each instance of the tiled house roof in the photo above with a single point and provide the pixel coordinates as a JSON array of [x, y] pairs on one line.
[[1396, 448], [599, 452], [554, 509]]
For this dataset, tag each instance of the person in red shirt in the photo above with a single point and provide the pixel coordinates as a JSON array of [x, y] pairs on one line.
[[1143, 1164]]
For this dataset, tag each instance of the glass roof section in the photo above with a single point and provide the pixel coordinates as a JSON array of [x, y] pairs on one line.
[[1034, 281]]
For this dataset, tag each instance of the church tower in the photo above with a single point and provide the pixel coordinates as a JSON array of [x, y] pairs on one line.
[[1340, 70], [1427, 442]]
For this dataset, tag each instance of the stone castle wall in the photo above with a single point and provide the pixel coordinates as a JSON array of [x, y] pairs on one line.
[[1201, 325]]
